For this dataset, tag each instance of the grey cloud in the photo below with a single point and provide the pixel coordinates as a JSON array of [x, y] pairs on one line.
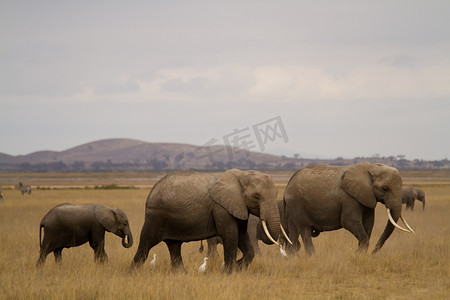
[[117, 86], [197, 85], [401, 60], [91, 58]]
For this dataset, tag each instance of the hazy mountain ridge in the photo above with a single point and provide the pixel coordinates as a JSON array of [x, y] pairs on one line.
[[124, 154], [129, 154]]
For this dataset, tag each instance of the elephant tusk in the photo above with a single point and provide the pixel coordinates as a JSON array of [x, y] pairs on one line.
[[393, 222], [126, 239], [267, 233], [406, 224], [285, 235]]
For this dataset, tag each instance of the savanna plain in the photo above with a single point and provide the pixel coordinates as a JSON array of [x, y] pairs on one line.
[[409, 266]]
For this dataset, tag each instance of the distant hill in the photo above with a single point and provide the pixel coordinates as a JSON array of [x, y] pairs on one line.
[[129, 154]]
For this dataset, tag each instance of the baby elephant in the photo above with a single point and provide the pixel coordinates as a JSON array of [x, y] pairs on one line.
[[70, 225]]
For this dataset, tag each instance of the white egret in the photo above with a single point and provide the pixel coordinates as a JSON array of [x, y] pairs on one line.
[[202, 268], [153, 262]]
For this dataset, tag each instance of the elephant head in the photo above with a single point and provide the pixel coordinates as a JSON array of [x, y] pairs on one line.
[[244, 192], [115, 220], [421, 197], [372, 183]]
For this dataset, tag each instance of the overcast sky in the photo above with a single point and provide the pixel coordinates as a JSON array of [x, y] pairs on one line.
[[346, 78]]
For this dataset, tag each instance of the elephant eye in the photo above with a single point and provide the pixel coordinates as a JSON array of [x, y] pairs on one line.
[[385, 188], [257, 196]]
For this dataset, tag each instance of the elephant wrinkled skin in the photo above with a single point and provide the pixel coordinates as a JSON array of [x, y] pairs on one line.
[[190, 206], [324, 198], [70, 225]]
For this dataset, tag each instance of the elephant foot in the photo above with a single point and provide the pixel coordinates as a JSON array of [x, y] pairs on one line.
[[179, 269], [241, 265], [40, 263], [363, 249], [101, 260], [375, 250], [228, 270], [133, 267], [244, 262], [293, 250], [310, 252]]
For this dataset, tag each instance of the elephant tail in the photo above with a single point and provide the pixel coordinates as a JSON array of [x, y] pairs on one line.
[[201, 246], [40, 234]]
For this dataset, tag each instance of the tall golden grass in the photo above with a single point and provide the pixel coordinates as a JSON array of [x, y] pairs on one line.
[[407, 267]]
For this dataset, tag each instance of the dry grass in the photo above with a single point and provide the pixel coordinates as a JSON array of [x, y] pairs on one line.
[[408, 266]]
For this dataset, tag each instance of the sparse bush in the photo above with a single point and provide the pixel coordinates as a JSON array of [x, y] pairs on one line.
[[112, 186]]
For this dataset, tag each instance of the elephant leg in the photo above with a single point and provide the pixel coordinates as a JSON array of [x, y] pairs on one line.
[[245, 245], [408, 204], [43, 256], [358, 230], [412, 204], [99, 251], [101, 256], [307, 240], [230, 246], [227, 228], [150, 237], [256, 247], [368, 221], [58, 255], [352, 218], [293, 234], [175, 255], [212, 247]]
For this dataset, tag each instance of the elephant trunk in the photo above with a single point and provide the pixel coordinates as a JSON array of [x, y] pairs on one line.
[[421, 197], [395, 212], [271, 216], [127, 240]]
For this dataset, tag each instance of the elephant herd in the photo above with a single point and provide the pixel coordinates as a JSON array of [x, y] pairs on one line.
[[237, 206]]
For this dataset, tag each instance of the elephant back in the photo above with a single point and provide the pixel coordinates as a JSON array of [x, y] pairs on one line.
[[177, 190], [314, 180]]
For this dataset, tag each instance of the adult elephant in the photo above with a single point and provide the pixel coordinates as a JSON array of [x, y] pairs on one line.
[[410, 194], [70, 225], [190, 206], [324, 198]]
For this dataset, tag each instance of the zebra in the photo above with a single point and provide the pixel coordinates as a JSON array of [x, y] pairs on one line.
[[23, 188]]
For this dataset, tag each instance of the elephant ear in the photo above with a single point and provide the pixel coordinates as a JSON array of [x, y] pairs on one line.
[[106, 216], [357, 182], [227, 191]]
